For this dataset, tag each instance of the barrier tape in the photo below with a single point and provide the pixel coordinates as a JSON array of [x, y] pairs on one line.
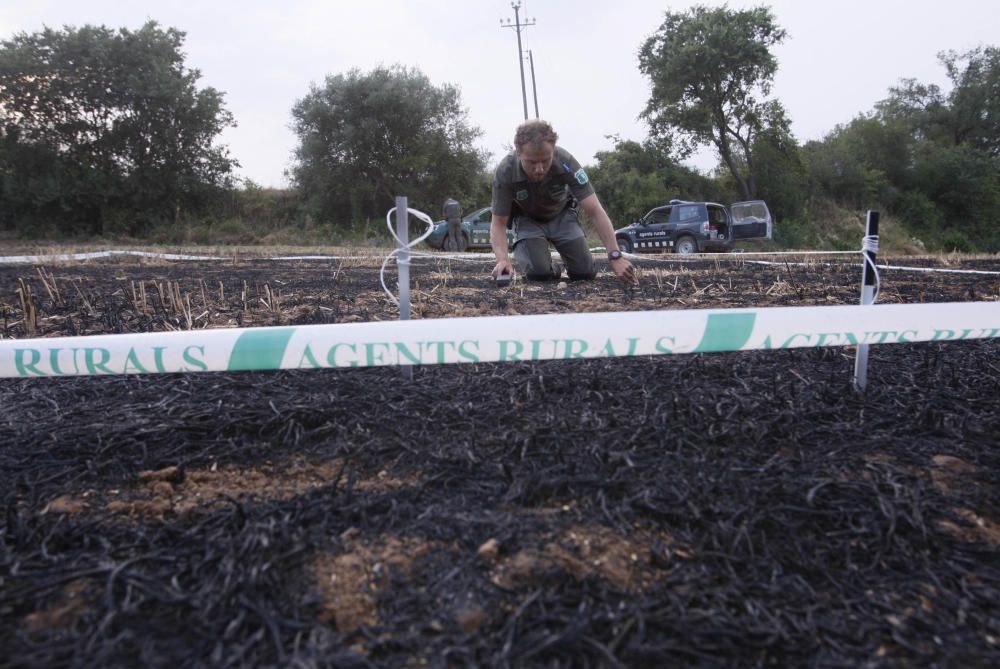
[[904, 268], [498, 339], [474, 257], [98, 255]]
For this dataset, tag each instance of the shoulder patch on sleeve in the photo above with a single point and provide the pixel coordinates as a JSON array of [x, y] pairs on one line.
[[581, 176]]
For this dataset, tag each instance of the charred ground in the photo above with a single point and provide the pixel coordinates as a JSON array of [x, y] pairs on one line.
[[721, 509]]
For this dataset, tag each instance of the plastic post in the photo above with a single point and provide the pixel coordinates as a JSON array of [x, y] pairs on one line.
[[403, 264], [867, 297]]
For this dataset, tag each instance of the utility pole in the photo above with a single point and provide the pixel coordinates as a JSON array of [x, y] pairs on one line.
[[517, 25], [534, 91]]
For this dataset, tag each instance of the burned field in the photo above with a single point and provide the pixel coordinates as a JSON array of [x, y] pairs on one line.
[[729, 509]]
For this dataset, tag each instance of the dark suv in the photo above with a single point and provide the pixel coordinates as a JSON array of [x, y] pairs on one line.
[[693, 227]]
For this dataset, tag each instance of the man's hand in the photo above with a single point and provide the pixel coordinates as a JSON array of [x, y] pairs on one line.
[[498, 241], [503, 266], [625, 271], [606, 231]]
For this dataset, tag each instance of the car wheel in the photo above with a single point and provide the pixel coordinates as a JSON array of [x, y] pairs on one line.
[[463, 243], [625, 244], [686, 246]]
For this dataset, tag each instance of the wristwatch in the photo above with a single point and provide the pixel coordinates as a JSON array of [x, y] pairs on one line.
[[614, 255]]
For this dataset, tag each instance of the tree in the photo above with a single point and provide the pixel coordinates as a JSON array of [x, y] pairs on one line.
[[937, 153], [781, 174], [710, 71], [963, 183], [633, 178], [864, 163], [365, 138], [969, 115], [101, 126], [921, 109], [975, 98]]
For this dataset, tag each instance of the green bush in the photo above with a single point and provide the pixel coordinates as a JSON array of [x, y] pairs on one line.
[[232, 231], [793, 233], [955, 241], [918, 213]]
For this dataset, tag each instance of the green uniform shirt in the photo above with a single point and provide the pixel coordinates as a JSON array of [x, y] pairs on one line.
[[514, 193], [452, 210]]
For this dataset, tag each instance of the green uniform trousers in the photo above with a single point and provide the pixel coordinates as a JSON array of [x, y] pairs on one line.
[[532, 257]]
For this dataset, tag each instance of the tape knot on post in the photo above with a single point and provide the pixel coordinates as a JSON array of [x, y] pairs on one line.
[[869, 248], [395, 255]]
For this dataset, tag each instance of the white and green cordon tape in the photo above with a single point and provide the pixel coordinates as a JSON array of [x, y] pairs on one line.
[[498, 339]]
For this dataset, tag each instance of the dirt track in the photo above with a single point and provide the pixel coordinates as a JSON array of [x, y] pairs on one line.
[[720, 509]]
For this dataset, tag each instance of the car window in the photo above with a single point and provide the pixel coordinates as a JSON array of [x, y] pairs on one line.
[[483, 216], [686, 213], [756, 210], [658, 215]]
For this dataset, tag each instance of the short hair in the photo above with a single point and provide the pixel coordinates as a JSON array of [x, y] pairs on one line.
[[534, 132]]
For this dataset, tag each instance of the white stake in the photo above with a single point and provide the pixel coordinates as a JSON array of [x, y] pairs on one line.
[[403, 265]]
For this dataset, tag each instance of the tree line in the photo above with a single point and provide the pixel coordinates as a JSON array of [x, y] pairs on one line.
[[107, 133]]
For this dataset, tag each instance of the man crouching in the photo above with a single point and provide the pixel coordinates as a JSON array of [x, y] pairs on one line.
[[537, 187]]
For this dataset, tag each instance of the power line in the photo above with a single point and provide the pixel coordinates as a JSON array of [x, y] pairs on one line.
[[517, 25], [534, 91]]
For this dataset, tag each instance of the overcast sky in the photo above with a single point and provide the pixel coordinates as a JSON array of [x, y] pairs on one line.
[[839, 58]]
